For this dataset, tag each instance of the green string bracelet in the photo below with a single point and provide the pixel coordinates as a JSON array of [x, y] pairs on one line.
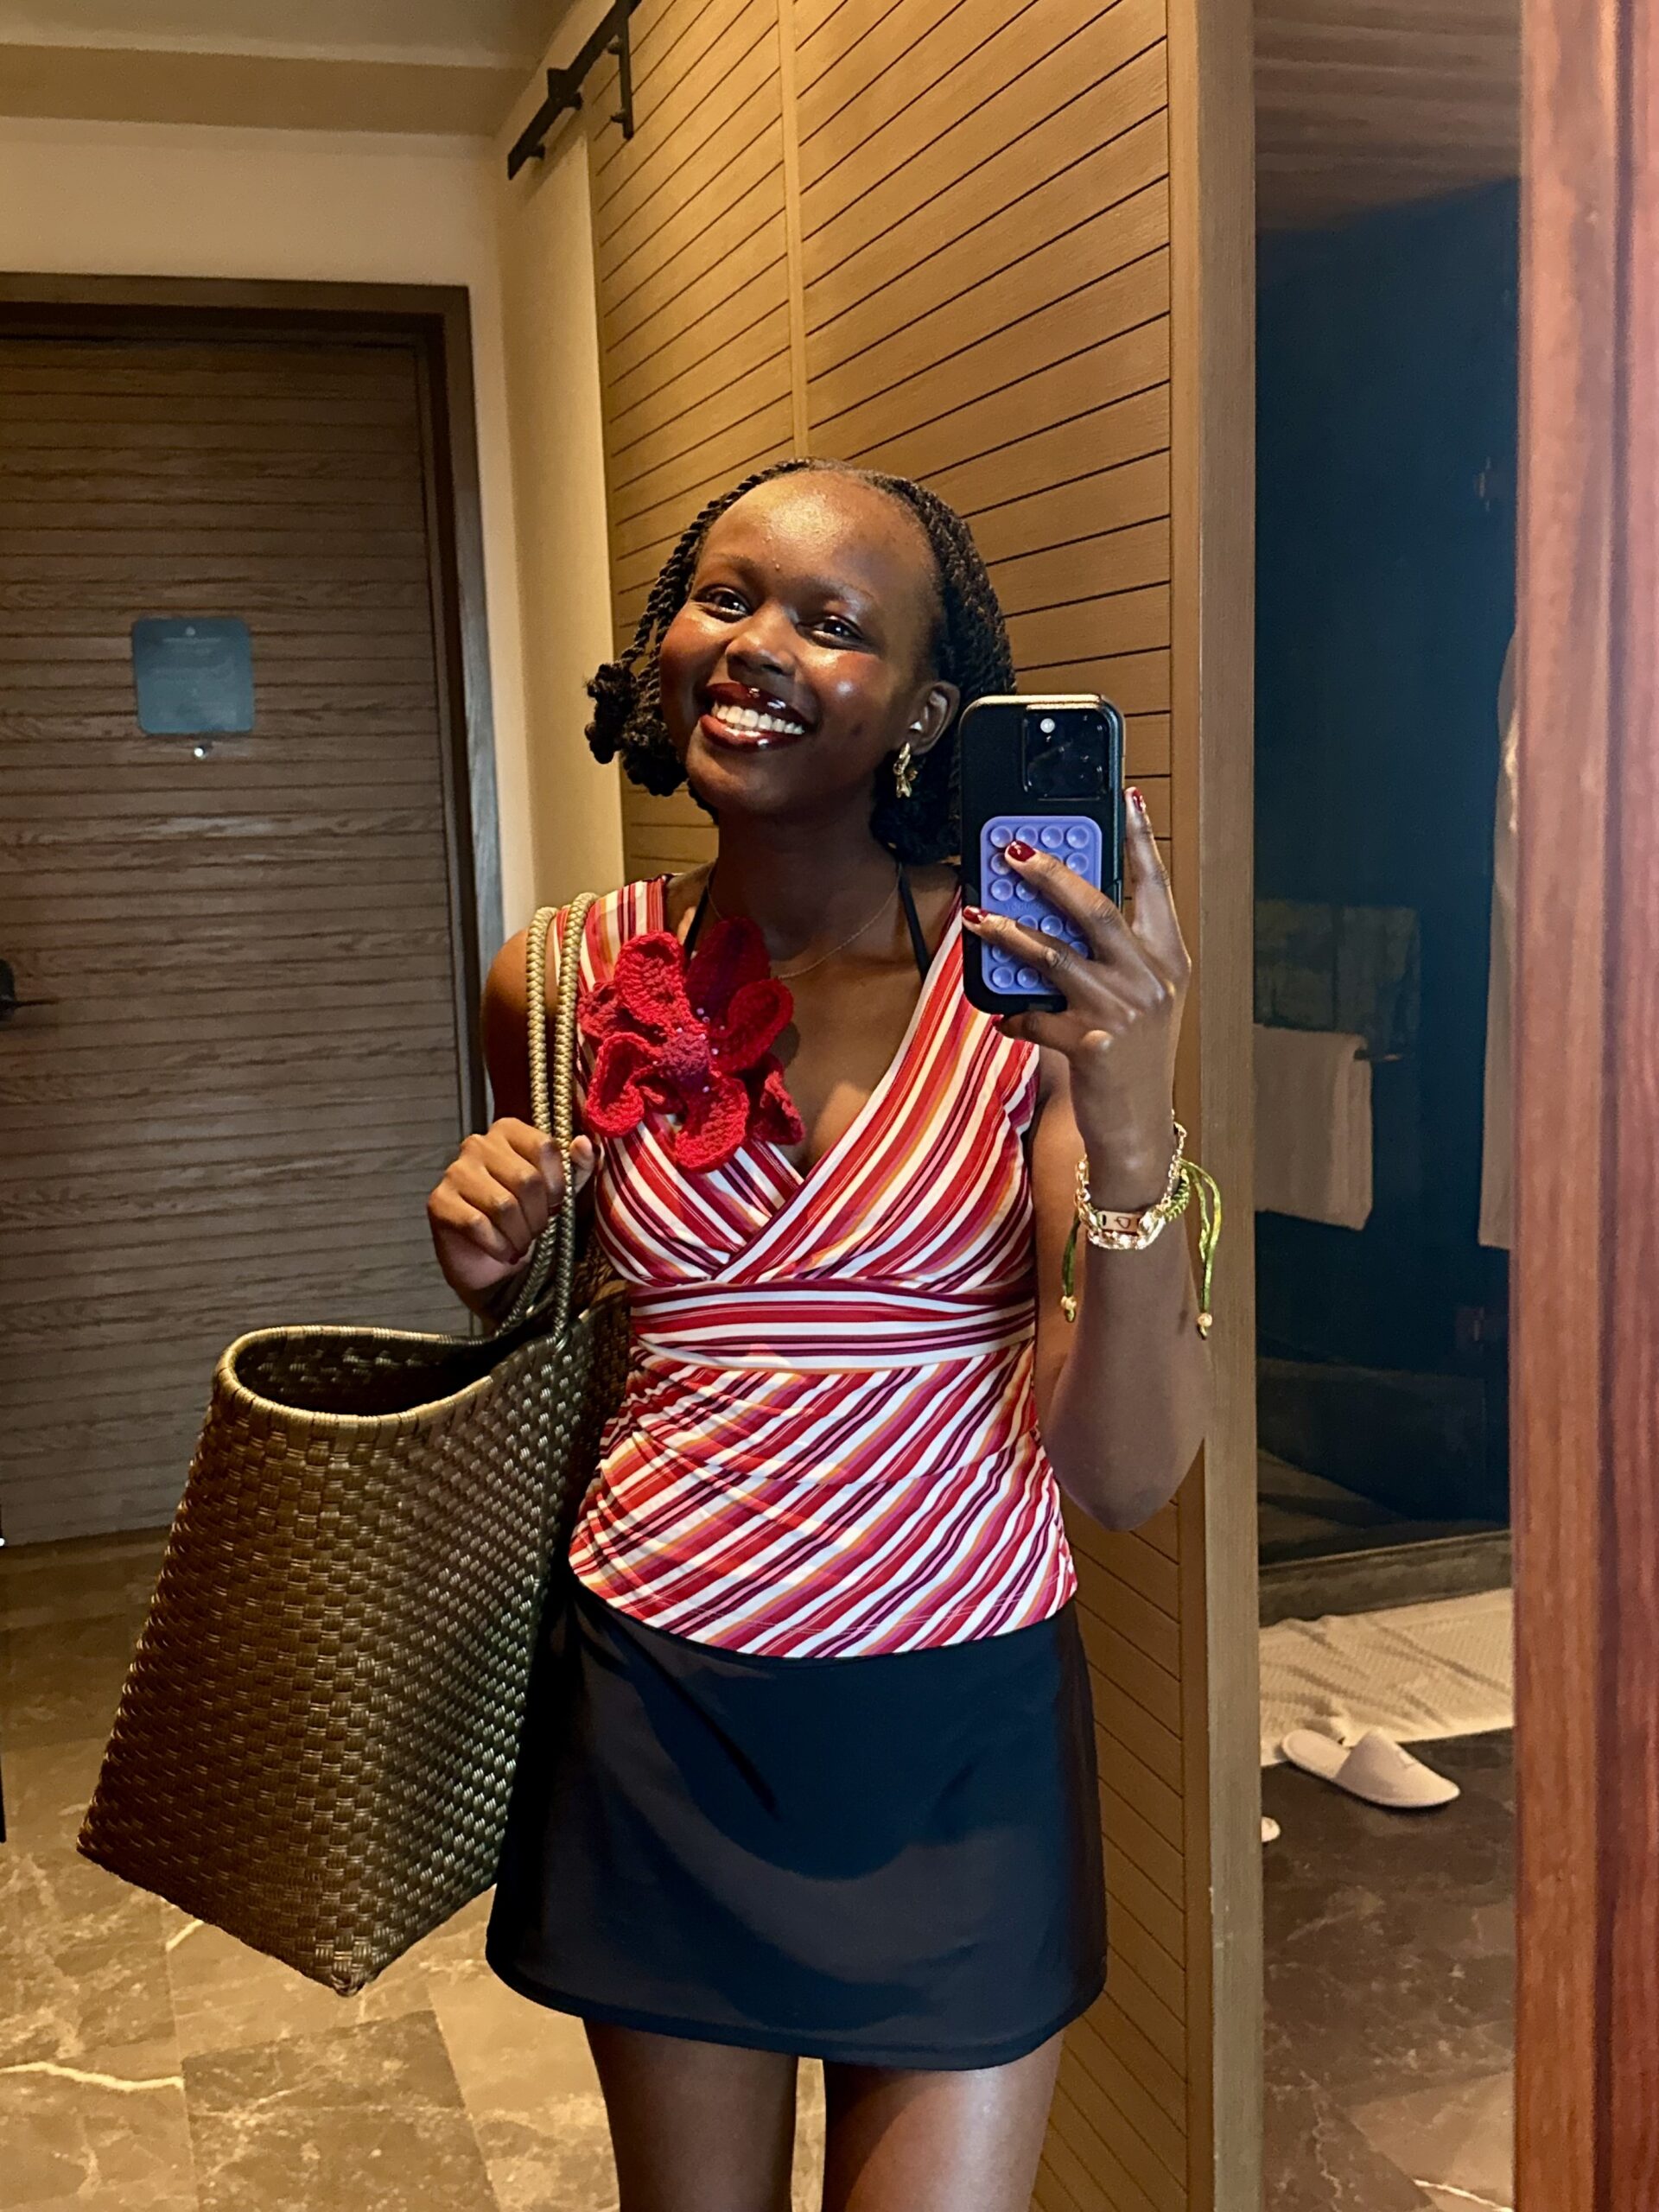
[[1186, 1178]]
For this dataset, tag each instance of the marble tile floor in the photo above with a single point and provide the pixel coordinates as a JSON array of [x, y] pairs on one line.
[[150, 2064], [1389, 2019]]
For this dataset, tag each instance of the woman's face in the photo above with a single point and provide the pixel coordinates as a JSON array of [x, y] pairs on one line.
[[802, 656]]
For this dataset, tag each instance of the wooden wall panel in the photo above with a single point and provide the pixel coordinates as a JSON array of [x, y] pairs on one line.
[[946, 290], [856, 260], [946, 250]]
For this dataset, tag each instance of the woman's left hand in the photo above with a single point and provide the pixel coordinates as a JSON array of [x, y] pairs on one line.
[[1123, 1007]]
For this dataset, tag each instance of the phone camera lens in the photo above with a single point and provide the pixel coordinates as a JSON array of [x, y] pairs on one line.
[[1064, 754]]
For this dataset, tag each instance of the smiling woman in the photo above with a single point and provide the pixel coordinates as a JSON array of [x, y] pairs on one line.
[[964, 631], [808, 1767]]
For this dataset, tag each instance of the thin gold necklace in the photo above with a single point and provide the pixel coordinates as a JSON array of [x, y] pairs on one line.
[[793, 974]]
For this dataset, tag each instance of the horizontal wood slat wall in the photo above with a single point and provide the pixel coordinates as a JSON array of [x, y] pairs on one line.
[[984, 303], [943, 248], [1365, 107], [254, 1069]]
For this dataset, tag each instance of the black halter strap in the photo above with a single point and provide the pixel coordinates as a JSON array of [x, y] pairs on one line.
[[912, 922], [918, 937], [696, 918]]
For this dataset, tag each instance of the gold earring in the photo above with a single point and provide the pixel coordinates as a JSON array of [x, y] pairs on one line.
[[903, 772]]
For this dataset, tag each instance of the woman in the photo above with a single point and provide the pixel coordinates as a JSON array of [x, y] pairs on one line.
[[809, 1763]]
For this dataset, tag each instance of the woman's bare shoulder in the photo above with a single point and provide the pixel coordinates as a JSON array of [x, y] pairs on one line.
[[504, 1024], [507, 985]]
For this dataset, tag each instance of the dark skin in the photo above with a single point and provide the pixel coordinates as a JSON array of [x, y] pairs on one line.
[[814, 605]]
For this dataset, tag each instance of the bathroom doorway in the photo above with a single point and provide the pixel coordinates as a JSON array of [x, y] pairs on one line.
[[1387, 349], [1388, 333]]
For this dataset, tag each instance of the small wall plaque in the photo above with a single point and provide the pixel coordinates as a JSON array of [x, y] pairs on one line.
[[194, 675]]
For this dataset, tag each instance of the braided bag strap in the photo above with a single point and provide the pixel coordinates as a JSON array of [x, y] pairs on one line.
[[553, 1104]]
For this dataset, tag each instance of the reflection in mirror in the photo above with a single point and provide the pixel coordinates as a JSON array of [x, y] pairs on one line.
[[1386, 175]]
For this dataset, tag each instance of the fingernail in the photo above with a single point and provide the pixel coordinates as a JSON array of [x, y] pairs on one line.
[[1137, 799], [973, 916], [1019, 850]]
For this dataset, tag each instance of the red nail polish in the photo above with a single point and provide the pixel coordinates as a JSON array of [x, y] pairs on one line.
[[1019, 850], [1137, 799], [973, 914]]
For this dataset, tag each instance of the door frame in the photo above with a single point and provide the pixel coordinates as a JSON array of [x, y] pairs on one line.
[[1212, 614], [1585, 1377], [435, 320]]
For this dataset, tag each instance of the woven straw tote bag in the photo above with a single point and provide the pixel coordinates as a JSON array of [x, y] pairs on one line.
[[317, 1734]]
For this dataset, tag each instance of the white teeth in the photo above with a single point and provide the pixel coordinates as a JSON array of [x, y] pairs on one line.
[[752, 721]]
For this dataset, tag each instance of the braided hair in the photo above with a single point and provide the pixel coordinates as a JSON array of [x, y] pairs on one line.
[[970, 650]]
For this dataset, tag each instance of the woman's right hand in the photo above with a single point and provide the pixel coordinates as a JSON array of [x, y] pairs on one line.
[[497, 1196]]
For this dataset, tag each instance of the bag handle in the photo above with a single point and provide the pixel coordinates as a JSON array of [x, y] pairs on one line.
[[555, 1250]]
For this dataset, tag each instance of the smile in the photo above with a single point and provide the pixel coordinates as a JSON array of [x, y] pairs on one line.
[[727, 722]]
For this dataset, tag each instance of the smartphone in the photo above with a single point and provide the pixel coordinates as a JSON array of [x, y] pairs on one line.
[[1049, 771]]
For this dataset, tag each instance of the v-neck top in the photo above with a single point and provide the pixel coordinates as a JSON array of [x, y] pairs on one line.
[[828, 1445]]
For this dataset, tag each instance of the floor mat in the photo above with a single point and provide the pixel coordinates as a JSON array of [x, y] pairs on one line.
[[1416, 1672]]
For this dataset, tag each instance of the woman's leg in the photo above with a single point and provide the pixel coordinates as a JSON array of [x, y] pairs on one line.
[[697, 2126], [936, 2142]]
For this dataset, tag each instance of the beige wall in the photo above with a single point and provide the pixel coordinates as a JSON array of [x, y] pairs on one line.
[[187, 200], [550, 327]]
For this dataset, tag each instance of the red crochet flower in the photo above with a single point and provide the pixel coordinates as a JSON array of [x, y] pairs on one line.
[[693, 1038]]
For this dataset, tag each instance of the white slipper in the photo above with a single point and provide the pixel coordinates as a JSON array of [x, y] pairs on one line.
[[1376, 1769]]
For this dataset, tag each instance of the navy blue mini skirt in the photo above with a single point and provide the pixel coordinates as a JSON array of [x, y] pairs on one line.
[[887, 1861]]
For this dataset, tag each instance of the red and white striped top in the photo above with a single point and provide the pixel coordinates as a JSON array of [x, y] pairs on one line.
[[829, 1444]]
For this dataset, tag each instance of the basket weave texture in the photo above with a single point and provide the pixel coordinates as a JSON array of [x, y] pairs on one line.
[[316, 1739]]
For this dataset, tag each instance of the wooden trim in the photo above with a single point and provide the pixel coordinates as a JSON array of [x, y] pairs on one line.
[[467, 655], [1585, 1382], [451, 718], [1212, 491], [435, 320]]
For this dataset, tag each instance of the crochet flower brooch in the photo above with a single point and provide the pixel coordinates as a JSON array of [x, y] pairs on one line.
[[692, 1038]]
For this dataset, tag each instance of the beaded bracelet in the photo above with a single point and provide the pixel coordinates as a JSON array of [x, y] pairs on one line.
[[1134, 1232]]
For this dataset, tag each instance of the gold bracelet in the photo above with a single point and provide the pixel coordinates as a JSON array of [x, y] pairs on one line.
[[1135, 1232]]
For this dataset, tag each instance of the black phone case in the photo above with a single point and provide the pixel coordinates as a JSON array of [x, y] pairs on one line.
[[993, 789]]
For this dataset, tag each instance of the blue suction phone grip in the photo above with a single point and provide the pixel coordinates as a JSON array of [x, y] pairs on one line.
[[1073, 838]]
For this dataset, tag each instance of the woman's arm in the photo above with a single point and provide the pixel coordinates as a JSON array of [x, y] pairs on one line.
[[1122, 1392], [503, 1025]]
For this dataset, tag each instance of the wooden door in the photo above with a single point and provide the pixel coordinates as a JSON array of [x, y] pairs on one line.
[[255, 1056]]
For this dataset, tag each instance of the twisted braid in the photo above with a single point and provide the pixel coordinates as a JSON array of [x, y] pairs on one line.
[[970, 650]]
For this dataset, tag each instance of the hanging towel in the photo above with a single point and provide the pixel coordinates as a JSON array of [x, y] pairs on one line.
[[1498, 1151], [1313, 1125]]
